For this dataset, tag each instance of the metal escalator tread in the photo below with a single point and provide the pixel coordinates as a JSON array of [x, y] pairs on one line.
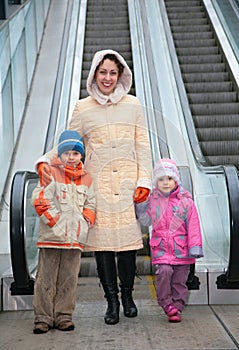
[[226, 134], [107, 27], [212, 94]]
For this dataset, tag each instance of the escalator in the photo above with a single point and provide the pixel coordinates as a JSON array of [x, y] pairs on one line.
[[212, 97], [116, 38], [107, 27], [210, 86]]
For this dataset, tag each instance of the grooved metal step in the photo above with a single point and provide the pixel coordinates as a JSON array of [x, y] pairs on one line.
[[107, 27], [211, 91]]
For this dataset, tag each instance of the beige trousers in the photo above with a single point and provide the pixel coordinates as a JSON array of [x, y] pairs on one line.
[[55, 286]]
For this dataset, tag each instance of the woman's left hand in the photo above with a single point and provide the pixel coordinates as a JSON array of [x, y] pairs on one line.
[[141, 194]]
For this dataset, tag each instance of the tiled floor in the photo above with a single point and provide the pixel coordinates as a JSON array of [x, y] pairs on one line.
[[203, 327]]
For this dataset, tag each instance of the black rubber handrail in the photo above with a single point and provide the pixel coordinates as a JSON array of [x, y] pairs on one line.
[[232, 181], [23, 283], [230, 279]]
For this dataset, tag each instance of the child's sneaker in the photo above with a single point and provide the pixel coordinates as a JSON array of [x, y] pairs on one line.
[[170, 310], [175, 318]]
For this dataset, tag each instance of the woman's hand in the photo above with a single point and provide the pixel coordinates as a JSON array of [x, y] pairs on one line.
[[44, 172], [141, 194]]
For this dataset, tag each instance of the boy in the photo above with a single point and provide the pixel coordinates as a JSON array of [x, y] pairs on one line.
[[65, 201]]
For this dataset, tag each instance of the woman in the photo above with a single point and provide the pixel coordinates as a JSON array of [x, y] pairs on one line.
[[118, 158]]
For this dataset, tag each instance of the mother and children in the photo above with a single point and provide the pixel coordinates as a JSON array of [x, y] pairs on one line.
[[94, 190]]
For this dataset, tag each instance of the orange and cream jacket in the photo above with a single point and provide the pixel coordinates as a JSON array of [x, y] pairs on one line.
[[65, 201]]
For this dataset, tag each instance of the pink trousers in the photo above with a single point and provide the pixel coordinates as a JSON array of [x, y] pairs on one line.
[[171, 285]]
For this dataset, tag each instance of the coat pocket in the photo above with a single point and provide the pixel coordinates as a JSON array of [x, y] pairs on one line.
[[82, 231], [63, 195], [181, 247], [157, 248], [81, 196]]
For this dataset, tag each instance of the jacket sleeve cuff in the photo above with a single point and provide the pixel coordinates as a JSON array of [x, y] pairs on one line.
[[89, 215], [195, 252], [144, 182], [54, 220]]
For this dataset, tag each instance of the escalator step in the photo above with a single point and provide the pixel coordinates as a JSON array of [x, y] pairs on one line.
[[223, 160], [191, 27], [191, 36], [195, 43], [215, 108], [199, 59], [183, 51], [218, 134], [215, 87], [213, 97], [215, 148], [205, 77], [216, 120], [203, 68]]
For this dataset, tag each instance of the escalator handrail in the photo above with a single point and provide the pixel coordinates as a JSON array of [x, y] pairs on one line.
[[232, 182], [17, 228]]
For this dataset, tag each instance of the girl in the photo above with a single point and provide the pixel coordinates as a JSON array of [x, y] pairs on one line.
[[176, 236]]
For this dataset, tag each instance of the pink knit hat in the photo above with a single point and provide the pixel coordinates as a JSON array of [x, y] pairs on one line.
[[166, 167]]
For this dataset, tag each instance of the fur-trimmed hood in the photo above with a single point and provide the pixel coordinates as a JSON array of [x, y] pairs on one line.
[[123, 85]]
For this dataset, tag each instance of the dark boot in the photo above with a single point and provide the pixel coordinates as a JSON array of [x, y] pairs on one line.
[[108, 277], [127, 270]]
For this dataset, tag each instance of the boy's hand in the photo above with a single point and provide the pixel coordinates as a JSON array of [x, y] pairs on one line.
[[141, 194]]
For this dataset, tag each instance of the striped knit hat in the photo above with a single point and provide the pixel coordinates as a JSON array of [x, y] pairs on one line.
[[166, 167], [70, 140]]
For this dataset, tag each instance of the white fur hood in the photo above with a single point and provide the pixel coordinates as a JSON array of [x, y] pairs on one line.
[[123, 86]]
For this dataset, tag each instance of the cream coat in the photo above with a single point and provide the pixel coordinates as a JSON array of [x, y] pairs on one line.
[[117, 157]]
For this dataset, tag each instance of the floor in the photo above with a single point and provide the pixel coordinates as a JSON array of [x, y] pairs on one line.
[[202, 327]]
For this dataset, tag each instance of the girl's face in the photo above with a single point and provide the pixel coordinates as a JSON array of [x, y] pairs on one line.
[[107, 76], [71, 158], [166, 184]]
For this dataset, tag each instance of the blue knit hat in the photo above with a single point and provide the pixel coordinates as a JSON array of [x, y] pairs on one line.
[[71, 140]]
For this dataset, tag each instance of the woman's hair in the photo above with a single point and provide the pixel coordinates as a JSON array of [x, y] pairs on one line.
[[113, 58]]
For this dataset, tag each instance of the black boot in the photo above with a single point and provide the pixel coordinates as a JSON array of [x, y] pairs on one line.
[[108, 277], [127, 269], [112, 312]]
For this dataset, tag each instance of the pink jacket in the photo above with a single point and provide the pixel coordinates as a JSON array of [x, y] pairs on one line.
[[176, 234]]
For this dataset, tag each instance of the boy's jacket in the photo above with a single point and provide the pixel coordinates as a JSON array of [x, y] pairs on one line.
[[65, 202]]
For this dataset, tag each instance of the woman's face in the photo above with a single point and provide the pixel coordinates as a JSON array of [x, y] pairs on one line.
[[107, 76]]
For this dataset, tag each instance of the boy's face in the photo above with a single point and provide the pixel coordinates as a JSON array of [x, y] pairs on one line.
[[166, 184], [71, 158]]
